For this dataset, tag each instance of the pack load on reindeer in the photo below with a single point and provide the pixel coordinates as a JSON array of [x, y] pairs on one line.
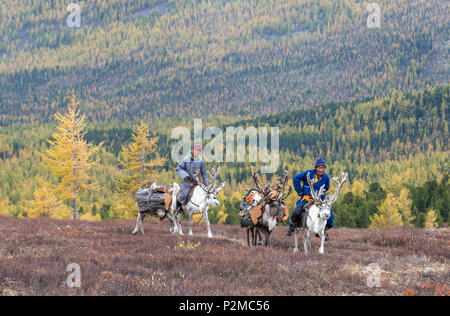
[[252, 203], [262, 208], [251, 212], [153, 198]]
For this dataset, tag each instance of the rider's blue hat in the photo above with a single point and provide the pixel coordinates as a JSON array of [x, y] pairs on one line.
[[320, 162]]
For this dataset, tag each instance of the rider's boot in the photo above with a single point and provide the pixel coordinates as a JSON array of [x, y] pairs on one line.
[[180, 210]]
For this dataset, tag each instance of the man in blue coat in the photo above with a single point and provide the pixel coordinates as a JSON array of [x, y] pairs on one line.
[[186, 170], [302, 188]]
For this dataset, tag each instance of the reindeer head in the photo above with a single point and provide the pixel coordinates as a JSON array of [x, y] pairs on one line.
[[211, 190], [324, 206], [281, 196], [272, 197]]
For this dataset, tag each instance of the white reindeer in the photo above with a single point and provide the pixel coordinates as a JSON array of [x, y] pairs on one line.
[[202, 198], [318, 214], [160, 212]]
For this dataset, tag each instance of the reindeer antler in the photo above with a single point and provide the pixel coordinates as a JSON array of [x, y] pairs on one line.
[[333, 197], [265, 191], [212, 187], [216, 189], [315, 196], [214, 175], [281, 186], [198, 178], [256, 180], [284, 196]]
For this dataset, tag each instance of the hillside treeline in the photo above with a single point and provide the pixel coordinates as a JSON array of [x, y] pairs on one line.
[[147, 59], [392, 147]]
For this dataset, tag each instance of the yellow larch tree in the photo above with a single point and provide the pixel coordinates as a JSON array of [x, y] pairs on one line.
[[2, 145], [70, 157], [4, 206], [404, 206], [140, 161], [388, 214], [431, 220], [357, 188], [46, 204]]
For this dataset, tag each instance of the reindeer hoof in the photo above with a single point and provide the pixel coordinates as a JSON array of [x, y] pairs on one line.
[[295, 250], [134, 232], [210, 236]]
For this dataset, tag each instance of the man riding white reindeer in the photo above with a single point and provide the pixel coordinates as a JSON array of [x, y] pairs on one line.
[[195, 178], [186, 170], [301, 186]]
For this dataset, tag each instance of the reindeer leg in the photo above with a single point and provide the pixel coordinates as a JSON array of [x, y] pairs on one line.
[[205, 216], [268, 243], [306, 240], [180, 230], [191, 222], [322, 241], [136, 229], [295, 240], [171, 221], [257, 237], [142, 223], [248, 237]]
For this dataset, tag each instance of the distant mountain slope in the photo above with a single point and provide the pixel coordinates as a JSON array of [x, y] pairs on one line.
[[393, 127], [150, 58], [364, 131]]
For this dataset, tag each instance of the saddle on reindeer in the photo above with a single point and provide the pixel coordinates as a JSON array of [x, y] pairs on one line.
[[253, 202]]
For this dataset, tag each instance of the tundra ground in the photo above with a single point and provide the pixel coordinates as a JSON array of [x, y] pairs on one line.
[[34, 254]]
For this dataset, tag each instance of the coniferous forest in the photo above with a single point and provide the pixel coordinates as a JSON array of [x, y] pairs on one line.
[[373, 102]]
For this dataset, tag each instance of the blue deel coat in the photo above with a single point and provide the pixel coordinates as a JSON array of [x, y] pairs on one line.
[[302, 188]]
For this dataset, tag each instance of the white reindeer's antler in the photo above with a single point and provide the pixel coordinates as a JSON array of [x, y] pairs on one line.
[[198, 178], [220, 188], [213, 187], [333, 198], [212, 177], [315, 196]]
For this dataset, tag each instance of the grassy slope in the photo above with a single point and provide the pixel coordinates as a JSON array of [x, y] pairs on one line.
[[34, 255]]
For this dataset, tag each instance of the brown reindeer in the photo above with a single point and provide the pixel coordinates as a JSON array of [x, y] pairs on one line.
[[268, 209]]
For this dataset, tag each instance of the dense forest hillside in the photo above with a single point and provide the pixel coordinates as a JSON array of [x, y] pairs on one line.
[[147, 59], [387, 144]]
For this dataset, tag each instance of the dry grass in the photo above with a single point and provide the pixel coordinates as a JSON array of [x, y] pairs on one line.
[[34, 254]]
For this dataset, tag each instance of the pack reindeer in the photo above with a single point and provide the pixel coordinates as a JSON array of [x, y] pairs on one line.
[[202, 198], [315, 219], [159, 211], [272, 207]]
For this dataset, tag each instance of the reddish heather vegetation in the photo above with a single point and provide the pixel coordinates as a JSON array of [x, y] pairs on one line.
[[34, 254]]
